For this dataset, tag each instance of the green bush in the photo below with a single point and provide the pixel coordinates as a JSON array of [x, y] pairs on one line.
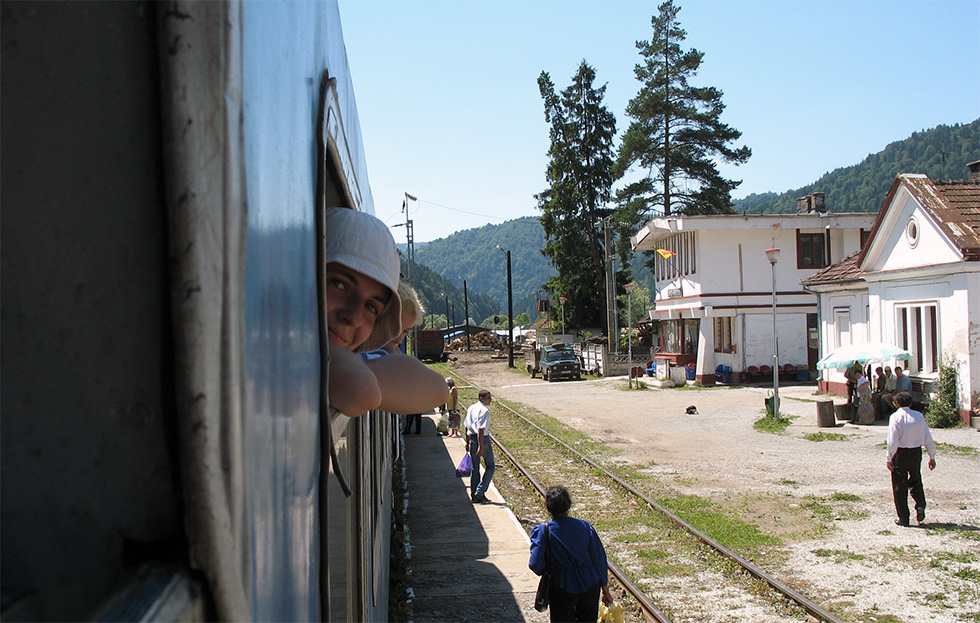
[[943, 408]]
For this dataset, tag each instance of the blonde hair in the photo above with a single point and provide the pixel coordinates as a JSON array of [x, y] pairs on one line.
[[411, 305]]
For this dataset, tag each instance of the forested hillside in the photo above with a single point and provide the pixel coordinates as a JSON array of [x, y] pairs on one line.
[[433, 290], [862, 187], [472, 254]]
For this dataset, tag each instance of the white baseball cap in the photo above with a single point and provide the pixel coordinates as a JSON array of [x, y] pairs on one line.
[[363, 243]]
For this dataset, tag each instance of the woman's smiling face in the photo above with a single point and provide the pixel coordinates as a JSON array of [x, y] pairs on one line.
[[354, 303]]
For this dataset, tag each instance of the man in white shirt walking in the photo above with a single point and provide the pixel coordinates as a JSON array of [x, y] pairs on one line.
[[477, 425], [907, 433]]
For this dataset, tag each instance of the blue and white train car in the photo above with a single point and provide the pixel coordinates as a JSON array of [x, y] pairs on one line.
[[165, 447]]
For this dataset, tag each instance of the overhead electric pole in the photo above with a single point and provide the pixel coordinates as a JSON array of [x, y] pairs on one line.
[[611, 328], [410, 258]]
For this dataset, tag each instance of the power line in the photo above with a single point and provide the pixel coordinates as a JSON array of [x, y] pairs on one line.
[[445, 207]]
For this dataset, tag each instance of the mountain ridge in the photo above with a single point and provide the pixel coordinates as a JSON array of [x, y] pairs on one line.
[[940, 152]]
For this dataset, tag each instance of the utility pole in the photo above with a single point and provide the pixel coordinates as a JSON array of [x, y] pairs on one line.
[[410, 258], [466, 313], [510, 313], [445, 336], [611, 327], [410, 236]]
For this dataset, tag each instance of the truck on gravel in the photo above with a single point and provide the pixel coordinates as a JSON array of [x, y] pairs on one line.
[[431, 345], [558, 361]]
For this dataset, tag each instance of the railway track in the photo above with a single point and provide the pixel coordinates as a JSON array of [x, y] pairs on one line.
[[667, 568]]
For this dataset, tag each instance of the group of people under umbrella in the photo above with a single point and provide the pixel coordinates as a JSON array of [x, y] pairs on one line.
[[870, 399]]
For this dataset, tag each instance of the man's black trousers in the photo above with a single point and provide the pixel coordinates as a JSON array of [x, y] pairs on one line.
[[907, 478]]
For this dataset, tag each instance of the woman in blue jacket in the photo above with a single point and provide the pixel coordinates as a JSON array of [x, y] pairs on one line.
[[571, 551]]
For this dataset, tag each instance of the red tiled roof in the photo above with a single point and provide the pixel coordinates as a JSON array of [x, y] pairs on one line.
[[955, 205], [957, 211], [848, 269]]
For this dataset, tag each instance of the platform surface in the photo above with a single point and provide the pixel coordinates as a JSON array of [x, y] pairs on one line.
[[468, 561]]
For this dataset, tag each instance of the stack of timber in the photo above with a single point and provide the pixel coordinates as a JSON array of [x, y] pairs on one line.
[[483, 341]]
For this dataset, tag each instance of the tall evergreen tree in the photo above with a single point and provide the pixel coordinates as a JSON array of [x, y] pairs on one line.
[[573, 206], [676, 131]]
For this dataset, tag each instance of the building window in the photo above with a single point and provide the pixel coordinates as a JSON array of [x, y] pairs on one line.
[[865, 236], [842, 326], [912, 232], [723, 335], [679, 337], [676, 256], [811, 250], [916, 328]]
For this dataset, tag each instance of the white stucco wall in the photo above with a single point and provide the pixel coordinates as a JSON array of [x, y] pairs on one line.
[[856, 302], [970, 380], [893, 249], [758, 339], [957, 298], [735, 260]]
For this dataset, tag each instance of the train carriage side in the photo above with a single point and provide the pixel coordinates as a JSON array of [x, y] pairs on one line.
[[163, 372]]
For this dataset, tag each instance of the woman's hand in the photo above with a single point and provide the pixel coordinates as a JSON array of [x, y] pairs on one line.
[[607, 597]]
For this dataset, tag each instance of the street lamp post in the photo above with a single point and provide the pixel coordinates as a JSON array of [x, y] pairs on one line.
[[773, 255], [445, 336], [466, 312], [562, 299], [629, 333], [510, 313]]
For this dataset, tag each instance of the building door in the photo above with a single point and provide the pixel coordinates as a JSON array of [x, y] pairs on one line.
[[812, 341]]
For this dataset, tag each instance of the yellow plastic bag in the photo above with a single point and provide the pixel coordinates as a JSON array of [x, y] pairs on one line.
[[611, 615]]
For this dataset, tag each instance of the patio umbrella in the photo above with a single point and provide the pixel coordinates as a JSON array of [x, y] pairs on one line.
[[863, 353]]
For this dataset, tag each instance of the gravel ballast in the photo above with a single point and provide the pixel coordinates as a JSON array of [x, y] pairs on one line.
[[828, 498]]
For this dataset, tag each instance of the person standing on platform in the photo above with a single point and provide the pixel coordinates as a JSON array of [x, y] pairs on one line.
[[477, 425], [907, 433], [851, 375], [409, 419], [571, 551], [452, 407]]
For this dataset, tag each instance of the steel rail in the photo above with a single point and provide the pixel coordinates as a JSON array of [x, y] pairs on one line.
[[650, 610], [804, 602]]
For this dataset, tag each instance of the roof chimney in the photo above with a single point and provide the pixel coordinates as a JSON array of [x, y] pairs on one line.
[[814, 202], [819, 202], [974, 170]]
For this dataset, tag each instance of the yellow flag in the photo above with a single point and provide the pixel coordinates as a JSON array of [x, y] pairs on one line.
[[665, 253]]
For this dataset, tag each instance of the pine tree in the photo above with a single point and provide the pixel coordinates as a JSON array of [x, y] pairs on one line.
[[676, 131], [581, 159]]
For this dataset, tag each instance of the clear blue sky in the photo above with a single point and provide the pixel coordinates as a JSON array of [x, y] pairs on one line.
[[450, 109]]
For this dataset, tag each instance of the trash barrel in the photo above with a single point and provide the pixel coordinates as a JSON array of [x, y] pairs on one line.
[[692, 370], [726, 374], [802, 373], [769, 403]]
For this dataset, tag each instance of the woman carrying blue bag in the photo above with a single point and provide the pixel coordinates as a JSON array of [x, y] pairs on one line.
[[570, 551]]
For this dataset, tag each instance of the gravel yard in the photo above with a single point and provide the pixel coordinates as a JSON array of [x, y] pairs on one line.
[[827, 497]]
